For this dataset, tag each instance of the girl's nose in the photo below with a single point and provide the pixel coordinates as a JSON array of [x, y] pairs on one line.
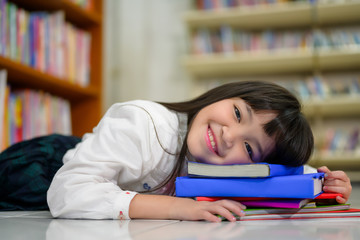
[[228, 136]]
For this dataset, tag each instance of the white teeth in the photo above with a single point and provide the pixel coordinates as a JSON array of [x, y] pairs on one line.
[[211, 137]]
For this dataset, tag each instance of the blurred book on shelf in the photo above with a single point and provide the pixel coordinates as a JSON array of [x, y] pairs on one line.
[[45, 42], [227, 39], [341, 140], [226, 4], [29, 113], [325, 86], [3, 97]]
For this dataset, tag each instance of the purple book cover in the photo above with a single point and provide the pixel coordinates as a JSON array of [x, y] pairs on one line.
[[287, 203]]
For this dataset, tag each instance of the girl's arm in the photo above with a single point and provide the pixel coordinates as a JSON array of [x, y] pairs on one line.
[[337, 181], [167, 207], [121, 154]]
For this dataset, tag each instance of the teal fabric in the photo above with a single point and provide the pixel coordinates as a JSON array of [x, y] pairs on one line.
[[27, 169]]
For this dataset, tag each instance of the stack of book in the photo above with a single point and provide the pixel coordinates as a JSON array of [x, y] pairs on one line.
[[269, 191]]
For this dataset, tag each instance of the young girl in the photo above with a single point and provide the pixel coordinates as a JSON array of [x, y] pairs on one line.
[[126, 168]]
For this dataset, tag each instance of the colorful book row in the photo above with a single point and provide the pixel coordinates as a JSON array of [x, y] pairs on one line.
[[221, 4], [229, 40], [45, 42], [341, 140], [323, 87], [26, 114], [224, 4]]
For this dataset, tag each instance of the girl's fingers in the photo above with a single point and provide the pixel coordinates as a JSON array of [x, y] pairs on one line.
[[323, 169], [338, 175], [226, 209], [335, 189], [335, 182], [211, 217], [341, 199], [231, 203], [235, 207], [334, 174], [344, 190], [229, 216], [223, 212]]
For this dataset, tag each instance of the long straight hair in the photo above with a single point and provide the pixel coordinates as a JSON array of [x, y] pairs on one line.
[[293, 137]]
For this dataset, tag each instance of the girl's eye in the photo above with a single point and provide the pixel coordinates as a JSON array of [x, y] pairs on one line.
[[237, 113], [249, 150]]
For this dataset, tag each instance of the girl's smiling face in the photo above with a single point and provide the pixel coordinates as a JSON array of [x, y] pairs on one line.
[[230, 132]]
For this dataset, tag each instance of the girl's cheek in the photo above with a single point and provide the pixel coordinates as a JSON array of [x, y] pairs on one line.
[[239, 160]]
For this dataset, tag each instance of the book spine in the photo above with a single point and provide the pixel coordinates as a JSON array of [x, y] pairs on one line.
[[40, 39], [294, 186], [28, 114], [2, 27], [3, 106], [268, 40]]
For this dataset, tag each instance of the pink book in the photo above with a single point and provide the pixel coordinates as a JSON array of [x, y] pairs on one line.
[[323, 198], [281, 203], [263, 202]]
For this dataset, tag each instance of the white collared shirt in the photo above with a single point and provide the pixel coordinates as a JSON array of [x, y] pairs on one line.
[[133, 148]]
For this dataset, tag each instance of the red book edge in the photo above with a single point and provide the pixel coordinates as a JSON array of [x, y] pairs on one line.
[[212, 199], [328, 195]]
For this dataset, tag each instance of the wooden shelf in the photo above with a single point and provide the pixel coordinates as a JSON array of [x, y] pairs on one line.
[[86, 102], [292, 14], [73, 13], [296, 14], [338, 59], [338, 160], [265, 62], [333, 107], [249, 63], [338, 12], [274, 15], [26, 77]]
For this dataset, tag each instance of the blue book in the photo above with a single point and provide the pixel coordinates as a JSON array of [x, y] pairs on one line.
[[196, 169], [292, 186]]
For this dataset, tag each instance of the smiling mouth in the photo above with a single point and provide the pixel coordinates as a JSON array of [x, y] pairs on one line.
[[211, 141]]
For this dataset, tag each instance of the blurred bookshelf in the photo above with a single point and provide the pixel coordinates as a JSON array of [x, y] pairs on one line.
[[314, 40], [279, 62], [280, 15], [79, 80]]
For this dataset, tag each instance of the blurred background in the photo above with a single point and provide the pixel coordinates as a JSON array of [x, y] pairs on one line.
[[64, 62]]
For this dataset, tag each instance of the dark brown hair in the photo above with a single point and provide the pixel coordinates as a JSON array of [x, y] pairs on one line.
[[292, 133]]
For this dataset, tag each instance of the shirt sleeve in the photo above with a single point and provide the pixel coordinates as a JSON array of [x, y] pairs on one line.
[[117, 153]]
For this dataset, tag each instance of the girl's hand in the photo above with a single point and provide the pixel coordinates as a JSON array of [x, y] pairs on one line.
[[189, 209], [167, 207], [338, 182]]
